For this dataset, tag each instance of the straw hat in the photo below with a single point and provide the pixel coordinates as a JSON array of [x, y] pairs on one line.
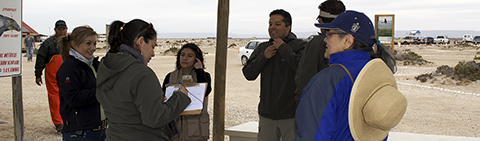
[[376, 106]]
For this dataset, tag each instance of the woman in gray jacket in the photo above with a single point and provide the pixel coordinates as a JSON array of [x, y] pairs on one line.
[[129, 90]]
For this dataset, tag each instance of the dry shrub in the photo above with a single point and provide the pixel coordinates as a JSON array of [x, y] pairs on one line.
[[464, 73], [411, 58], [171, 51], [467, 70]]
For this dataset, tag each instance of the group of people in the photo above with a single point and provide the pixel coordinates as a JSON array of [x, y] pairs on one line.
[[316, 90], [328, 88], [119, 93]]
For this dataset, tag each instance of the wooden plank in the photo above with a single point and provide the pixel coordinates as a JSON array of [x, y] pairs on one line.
[[18, 108], [220, 71]]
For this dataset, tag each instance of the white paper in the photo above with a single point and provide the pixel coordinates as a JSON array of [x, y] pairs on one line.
[[196, 94]]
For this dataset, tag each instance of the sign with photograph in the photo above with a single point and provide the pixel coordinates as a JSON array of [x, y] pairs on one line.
[[10, 37], [385, 29]]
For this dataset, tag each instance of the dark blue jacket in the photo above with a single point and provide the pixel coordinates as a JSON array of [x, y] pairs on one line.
[[323, 110], [77, 85]]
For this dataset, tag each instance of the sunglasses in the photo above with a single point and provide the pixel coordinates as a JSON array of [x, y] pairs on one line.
[[328, 34]]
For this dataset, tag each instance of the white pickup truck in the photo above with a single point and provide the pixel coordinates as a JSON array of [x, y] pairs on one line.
[[441, 39]]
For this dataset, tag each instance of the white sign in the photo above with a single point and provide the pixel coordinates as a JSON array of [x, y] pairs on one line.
[[10, 37]]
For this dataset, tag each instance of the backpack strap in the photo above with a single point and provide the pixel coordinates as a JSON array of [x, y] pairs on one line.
[[351, 78]]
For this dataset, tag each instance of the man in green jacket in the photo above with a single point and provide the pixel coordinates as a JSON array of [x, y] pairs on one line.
[[313, 60], [277, 60], [48, 59]]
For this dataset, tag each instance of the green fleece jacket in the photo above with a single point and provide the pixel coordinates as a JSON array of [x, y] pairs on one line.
[[132, 97], [277, 88]]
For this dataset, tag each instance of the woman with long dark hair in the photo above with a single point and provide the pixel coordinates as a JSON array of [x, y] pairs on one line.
[[190, 62]]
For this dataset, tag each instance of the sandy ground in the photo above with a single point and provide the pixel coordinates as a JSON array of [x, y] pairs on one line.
[[432, 108]]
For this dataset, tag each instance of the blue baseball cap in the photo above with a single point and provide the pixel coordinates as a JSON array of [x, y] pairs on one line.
[[352, 22]]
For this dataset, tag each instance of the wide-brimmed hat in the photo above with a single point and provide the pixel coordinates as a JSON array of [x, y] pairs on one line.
[[352, 22], [376, 106]]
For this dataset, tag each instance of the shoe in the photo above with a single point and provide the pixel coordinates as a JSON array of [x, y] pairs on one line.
[[59, 127]]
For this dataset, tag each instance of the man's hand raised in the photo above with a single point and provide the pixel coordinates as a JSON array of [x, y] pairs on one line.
[[270, 52]]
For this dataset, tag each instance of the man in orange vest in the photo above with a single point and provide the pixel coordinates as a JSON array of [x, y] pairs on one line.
[[48, 58]]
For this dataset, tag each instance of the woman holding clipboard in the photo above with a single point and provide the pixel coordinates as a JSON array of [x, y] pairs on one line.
[[190, 63]]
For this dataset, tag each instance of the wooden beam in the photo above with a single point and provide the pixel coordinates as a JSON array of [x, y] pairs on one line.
[[220, 71], [18, 108]]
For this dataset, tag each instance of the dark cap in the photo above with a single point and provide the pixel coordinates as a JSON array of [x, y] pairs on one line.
[[60, 23], [352, 22]]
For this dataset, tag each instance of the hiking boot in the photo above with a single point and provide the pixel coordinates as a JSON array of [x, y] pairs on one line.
[[59, 127]]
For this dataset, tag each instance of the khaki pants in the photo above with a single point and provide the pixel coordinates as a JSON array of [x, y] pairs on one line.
[[274, 130]]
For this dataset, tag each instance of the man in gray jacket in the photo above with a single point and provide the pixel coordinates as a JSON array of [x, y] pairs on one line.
[[277, 60]]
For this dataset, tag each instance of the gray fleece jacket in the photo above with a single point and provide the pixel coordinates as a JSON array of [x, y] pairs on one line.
[[132, 97]]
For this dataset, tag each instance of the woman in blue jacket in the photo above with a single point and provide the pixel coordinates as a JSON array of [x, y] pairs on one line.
[[324, 105], [82, 116]]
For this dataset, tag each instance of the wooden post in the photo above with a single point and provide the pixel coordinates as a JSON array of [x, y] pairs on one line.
[[220, 71], [18, 108]]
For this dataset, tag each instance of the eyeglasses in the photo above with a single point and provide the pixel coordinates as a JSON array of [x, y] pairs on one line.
[[328, 34], [319, 19]]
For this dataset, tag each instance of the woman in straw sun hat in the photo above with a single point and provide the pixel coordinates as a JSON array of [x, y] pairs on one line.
[[356, 98]]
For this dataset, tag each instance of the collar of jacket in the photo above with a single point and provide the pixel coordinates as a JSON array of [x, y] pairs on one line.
[[290, 36], [80, 57], [340, 57], [125, 49]]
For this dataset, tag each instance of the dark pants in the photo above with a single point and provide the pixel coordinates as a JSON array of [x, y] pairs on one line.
[[85, 136]]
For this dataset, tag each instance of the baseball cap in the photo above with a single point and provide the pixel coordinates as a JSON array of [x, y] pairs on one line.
[[60, 23], [352, 22]]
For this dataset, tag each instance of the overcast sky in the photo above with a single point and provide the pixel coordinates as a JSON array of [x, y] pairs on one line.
[[246, 16]]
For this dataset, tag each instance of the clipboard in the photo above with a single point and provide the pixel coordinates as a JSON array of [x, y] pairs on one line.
[[196, 92]]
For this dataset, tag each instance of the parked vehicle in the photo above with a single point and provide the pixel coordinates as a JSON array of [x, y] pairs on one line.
[[467, 38], [101, 38], [406, 40], [476, 40], [427, 40], [418, 40], [441, 39], [245, 52]]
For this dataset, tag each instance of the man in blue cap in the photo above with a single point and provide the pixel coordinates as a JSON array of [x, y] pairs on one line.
[[48, 58]]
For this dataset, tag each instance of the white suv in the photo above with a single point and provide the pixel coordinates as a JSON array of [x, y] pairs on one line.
[[245, 52]]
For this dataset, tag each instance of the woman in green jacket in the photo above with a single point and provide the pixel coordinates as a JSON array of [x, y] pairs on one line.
[[129, 90]]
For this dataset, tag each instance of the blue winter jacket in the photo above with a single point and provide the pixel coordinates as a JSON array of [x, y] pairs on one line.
[[322, 114]]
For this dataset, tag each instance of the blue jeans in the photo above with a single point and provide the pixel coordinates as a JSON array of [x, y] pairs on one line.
[[86, 136], [29, 53]]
